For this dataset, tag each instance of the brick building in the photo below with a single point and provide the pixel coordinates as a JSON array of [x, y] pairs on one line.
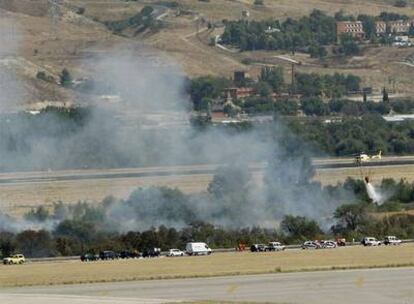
[[380, 27], [353, 28], [393, 27], [399, 26], [238, 93]]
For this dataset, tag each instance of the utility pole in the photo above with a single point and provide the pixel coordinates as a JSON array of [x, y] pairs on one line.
[[293, 79]]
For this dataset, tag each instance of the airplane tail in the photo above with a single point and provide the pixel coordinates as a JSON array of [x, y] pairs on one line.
[[377, 156]]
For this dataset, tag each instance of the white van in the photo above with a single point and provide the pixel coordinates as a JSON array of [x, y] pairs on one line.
[[197, 249]]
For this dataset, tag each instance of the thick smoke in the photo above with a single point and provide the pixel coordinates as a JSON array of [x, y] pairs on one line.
[[8, 223], [140, 118]]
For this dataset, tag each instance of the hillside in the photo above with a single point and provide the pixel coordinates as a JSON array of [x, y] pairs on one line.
[[54, 35]]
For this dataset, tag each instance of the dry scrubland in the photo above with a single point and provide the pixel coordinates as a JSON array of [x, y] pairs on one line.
[[70, 40], [375, 66], [218, 264], [222, 9]]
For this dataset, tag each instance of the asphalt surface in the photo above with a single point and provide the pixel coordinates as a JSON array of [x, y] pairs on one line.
[[86, 174], [379, 286]]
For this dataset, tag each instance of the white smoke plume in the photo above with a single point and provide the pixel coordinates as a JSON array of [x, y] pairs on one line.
[[11, 224], [149, 125], [377, 195]]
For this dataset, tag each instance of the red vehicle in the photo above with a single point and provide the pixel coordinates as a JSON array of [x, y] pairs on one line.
[[341, 242]]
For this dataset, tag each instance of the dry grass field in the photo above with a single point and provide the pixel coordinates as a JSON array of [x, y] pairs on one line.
[[218, 264], [17, 199], [376, 174], [230, 9], [68, 41]]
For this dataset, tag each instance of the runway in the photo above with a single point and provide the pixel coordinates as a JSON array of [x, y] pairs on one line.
[[375, 286], [21, 191], [165, 171]]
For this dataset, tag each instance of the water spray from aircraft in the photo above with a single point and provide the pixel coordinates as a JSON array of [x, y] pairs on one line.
[[374, 194]]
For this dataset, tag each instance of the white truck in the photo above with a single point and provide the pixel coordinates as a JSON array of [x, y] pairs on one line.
[[14, 259], [370, 241], [391, 240], [275, 246], [197, 248]]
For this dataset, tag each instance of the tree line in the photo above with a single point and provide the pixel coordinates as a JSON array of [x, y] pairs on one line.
[[167, 218], [317, 29], [310, 34], [350, 135], [208, 90], [140, 21]]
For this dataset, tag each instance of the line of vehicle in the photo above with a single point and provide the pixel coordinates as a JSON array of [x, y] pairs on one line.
[[164, 253]]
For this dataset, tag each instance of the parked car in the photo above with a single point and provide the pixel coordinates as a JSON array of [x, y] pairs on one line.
[[151, 252], [328, 244], [258, 248], [311, 245], [175, 252], [129, 254], [108, 255], [86, 257], [197, 248], [391, 240], [370, 241], [341, 242], [14, 259], [275, 246]]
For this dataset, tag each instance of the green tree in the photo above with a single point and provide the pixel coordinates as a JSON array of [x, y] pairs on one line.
[[400, 3], [352, 216], [348, 47], [385, 97], [314, 106], [40, 214], [369, 24], [229, 180], [66, 78], [273, 76], [263, 88], [78, 230], [35, 243], [316, 51], [300, 228], [206, 87], [7, 244]]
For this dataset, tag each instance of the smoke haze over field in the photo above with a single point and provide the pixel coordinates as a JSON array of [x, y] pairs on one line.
[[117, 135]]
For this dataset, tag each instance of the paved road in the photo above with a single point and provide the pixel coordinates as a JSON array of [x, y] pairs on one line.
[[376, 286], [68, 175]]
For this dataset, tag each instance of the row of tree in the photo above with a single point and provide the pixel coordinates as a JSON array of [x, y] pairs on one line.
[[207, 90], [316, 29], [138, 22], [74, 237], [353, 135], [309, 34]]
